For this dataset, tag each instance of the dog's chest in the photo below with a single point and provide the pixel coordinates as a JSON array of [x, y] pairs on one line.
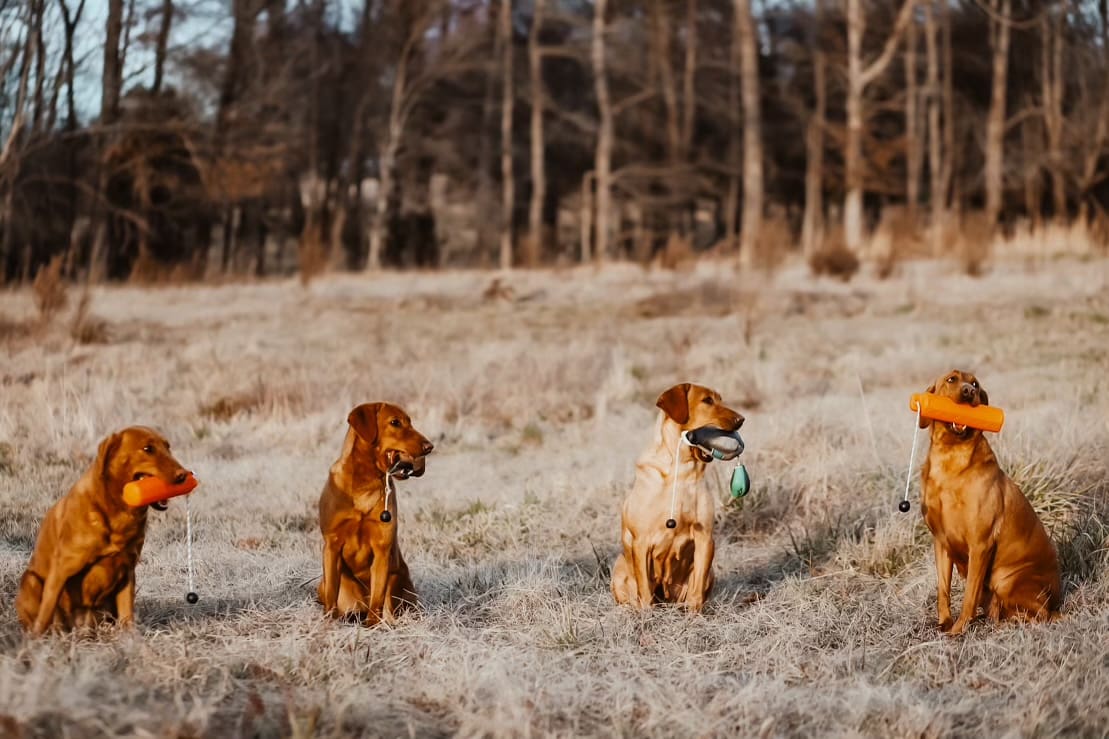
[[358, 535]]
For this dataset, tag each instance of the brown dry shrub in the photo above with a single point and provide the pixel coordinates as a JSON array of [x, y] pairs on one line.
[[775, 239], [899, 237], [677, 254], [50, 289], [834, 259], [312, 252], [975, 240], [86, 328]]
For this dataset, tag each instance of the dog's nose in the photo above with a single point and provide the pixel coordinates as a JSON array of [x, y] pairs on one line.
[[738, 422], [967, 392], [427, 447], [180, 477]]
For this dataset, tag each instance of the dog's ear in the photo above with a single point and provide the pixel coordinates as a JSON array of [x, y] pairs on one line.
[[926, 422], [363, 419], [983, 396], [106, 452], [675, 403]]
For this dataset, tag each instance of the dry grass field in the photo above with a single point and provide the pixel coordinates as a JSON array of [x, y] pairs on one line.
[[539, 401]]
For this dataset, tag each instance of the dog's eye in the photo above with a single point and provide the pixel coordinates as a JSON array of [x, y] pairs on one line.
[[395, 422], [951, 379], [149, 448], [975, 384], [707, 401]]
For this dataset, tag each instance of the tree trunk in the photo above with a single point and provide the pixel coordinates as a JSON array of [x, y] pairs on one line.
[[689, 78], [538, 145], [951, 205], [1052, 46], [812, 225], [112, 80], [937, 197], [731, 202], [1092, 154], [752, 133], [858, 78], [69, 24], [388, 156], [660, 43], [508, 182], [10, 161], [111, 84], [995, 123], [162, 45], [852, 156], [913, 150], [603, 155], [38, 10]]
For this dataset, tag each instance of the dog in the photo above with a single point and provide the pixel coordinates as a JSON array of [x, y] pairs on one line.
[[671, 565], [982, 524], [364, 574], [82, 569]]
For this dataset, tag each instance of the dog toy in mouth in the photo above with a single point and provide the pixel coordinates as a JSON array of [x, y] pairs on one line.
[[153, 490], [719, 443], [945, 410]]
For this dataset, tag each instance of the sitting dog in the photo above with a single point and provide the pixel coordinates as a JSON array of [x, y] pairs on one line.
[[982, 523], [82, 570], [671, 565], [364, 574]]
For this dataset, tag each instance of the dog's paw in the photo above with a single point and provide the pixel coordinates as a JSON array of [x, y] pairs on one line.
[[945, 625], [958, 628]]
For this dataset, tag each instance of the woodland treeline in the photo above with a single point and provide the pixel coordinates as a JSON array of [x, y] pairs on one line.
[[358, 134]]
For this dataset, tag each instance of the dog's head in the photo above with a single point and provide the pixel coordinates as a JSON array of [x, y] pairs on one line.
[[134, 453], [393, 444], [693, 406], [960, 387]]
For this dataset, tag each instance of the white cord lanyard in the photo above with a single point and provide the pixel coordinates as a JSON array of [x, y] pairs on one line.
[[904, 505], [674, 485]]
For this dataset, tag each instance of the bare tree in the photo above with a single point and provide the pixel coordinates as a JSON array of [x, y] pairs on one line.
[[913, 150], [602, 163], [1053, 83], [937, 196], [162, 44], [399, 107], [752, 133], [859, 77], [1092, 150], [995, 121], [70, 20], [538, 145], [113, 66], [508, 182], [812, 224]]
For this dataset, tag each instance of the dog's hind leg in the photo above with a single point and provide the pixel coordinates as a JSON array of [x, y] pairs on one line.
[[29, 597]]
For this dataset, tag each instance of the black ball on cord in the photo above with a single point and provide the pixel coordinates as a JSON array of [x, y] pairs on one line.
[[386, 517], [903, 506], [192, 598], [671, 523]]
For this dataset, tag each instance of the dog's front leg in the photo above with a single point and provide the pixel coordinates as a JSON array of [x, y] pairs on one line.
[[329, 593], [703, 551], [978, 565], [640, 556], [943, 584], [125, 602], [379, 586]]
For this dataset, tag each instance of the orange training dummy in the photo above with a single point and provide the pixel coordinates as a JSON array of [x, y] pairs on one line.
[[154, 490], [945, 410]]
